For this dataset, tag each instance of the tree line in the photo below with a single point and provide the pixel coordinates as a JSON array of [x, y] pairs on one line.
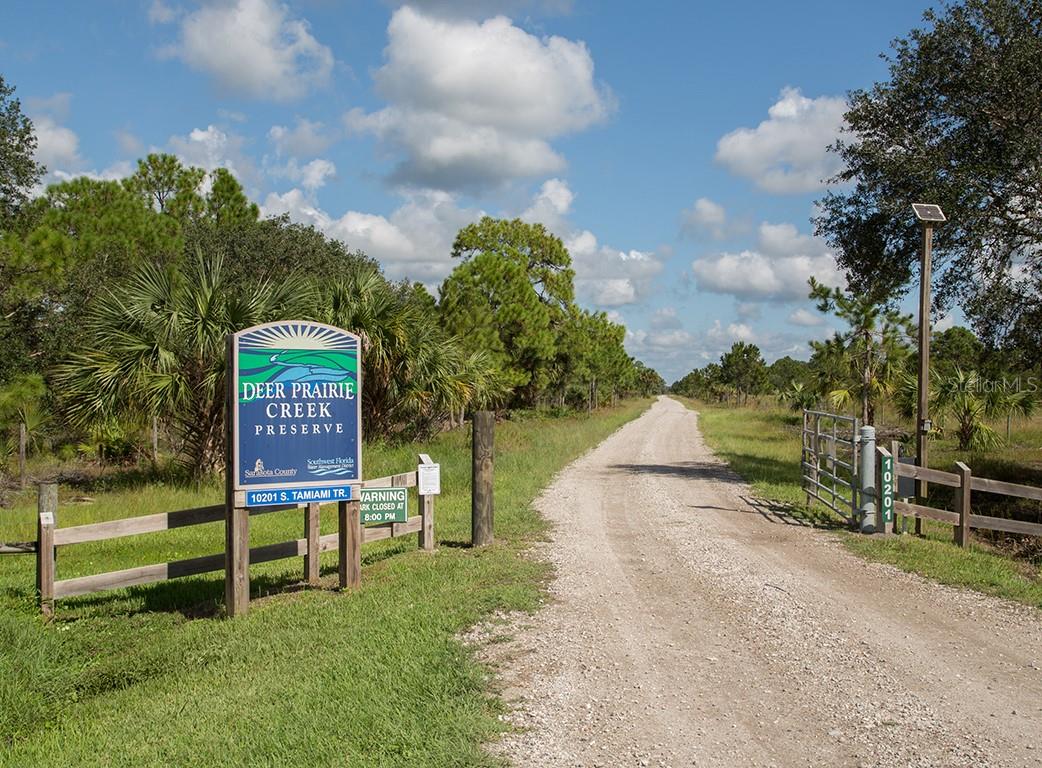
[[872, 364], [116, 298]]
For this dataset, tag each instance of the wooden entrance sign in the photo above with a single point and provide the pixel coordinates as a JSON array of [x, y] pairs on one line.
[[294, 436]]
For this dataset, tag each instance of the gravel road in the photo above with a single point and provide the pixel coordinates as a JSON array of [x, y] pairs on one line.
[[691, 624]]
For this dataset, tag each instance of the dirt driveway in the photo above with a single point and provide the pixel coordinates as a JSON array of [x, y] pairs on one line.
[[691, 625]]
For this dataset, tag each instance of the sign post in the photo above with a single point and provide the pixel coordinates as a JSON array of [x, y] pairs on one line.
[[429, 482], [482, 467], [294, 430], [349, 542], [929, 216]]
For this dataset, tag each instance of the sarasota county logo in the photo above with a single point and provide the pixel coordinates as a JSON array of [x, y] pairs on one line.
[[259, 470]]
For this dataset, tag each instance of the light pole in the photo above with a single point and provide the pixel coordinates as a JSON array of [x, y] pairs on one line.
[[929, 216]]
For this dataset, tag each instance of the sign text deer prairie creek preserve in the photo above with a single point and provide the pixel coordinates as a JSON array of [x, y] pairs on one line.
[[308, 410]]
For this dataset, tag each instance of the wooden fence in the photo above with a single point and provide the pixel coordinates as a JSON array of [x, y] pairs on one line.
[[964, 483], [347, 540]]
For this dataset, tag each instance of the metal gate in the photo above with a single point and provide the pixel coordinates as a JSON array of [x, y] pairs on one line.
[[830, 461]]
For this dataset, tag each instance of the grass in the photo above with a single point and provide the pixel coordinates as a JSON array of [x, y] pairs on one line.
[[762, 444], [154, 676]]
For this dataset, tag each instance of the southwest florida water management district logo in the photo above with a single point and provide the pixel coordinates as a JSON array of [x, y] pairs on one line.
[[339, 465]]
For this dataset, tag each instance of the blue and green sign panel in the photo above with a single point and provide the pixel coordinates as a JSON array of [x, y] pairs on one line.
[[297, 413]]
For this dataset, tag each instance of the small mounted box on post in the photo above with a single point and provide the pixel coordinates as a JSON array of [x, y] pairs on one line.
[[294, 431]]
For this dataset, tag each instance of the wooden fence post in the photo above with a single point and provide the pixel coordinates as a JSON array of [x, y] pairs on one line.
[[23, 440], [481, 502], [962, 497], [237, 561], [427, 530], [426, 534], [311, 533], [350, 543], [236, 516], [47, 507]]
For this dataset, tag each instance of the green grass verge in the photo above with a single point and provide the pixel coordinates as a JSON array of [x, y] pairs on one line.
[[762, 444], [154, 676]]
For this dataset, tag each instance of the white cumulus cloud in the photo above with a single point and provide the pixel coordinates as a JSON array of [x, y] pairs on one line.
[[57, 147], [723, 337], [550, 206], [470, 9], [57, 106], [665, 319], [778, 270], [128, 143], [474, 104], [805, 318], [658, 340], [211, 148], [115, 172], [787, 152], [254, 48], [311, 176], [305, 139], [161, 13], [415, 241], [705, 216], [605, 276], [748, 310], [785, 240]]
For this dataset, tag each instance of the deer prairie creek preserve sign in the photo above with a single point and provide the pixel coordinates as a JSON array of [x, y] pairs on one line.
[[296, 415]]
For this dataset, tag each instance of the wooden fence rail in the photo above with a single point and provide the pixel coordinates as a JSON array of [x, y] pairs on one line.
[[964, 484], [345, 540], [18, 548]]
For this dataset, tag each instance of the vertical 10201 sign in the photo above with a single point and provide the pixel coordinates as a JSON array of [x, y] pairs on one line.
[[887, 489], [296, 415]]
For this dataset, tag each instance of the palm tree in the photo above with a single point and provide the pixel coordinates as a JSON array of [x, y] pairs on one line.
[[799, 396], [1009, 401], [967, 398], [415, 374], [157, 347], [959, 395], [36, 420]]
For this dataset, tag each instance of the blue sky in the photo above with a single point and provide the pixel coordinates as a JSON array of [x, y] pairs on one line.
[[676, 148]]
